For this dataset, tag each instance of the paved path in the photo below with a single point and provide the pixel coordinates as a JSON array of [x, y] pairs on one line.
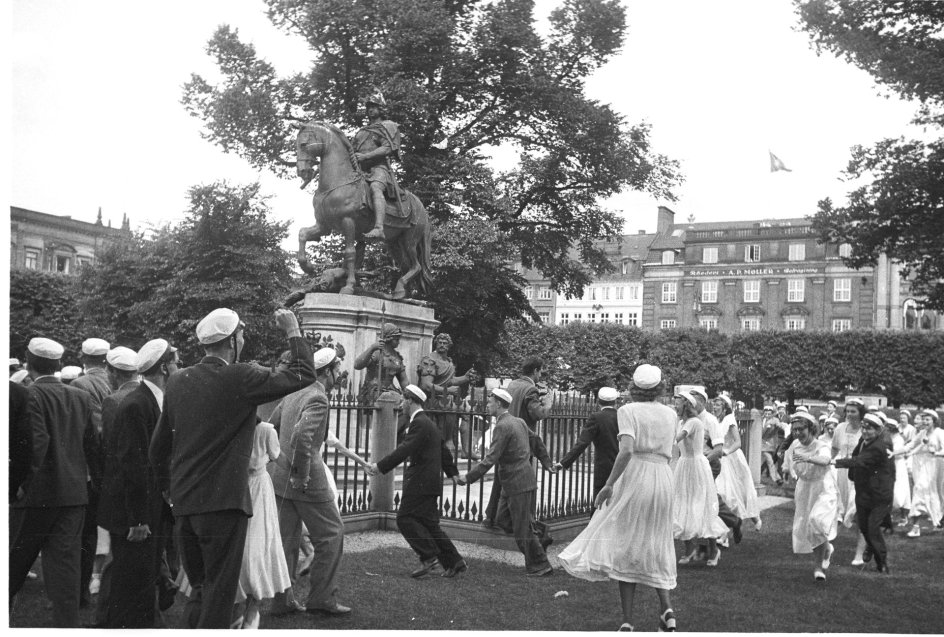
[[369, 540]]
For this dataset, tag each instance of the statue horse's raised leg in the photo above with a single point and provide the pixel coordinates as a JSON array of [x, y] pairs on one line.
[[311, 233]]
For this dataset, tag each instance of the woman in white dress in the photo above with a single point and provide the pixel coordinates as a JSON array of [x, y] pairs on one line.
[[901, 497], [264, 571], [845, 439], [816, 516], [695, 515], [735, 484], [926, 495], [629, 539]]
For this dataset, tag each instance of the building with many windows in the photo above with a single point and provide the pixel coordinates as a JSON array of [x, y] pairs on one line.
[[737, 276], [52, 243]]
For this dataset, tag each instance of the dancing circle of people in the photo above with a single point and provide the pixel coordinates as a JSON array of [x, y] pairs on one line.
[[123, 468]]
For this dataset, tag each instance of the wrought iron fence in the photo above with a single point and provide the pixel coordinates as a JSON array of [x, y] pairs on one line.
[[563, 495]]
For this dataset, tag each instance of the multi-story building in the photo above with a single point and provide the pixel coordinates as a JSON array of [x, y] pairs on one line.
[[734, 276], [52, 243]]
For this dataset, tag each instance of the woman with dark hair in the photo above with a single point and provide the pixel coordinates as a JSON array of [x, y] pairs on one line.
[[630, 538], [696, 508], [926, 495], [735, 483], [815, 514], [845, 439]]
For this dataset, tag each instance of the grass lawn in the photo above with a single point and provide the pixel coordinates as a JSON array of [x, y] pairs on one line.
[[759, 586]]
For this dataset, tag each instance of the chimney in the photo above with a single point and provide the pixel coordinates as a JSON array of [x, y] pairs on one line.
[[666, 220]]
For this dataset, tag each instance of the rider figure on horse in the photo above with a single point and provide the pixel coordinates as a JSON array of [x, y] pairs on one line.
[[374, 144]]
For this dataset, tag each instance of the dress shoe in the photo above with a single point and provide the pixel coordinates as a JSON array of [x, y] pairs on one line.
[[736, 529], [667, 621], [883, 568], [544, 572], [336, 610], [714, 561], [867, 554], [458, 567], [625, 628], [425, 567], [288, 608], [819, 575]]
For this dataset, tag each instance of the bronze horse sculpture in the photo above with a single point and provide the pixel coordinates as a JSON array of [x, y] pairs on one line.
[[341, 206]]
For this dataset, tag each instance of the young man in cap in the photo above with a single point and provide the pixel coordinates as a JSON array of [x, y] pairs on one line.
[[511, 452], [600, 430], [528, 404], [303, 493], [201, 450], [95, 381], [872, 470], [132, 503], [49, 514], [418, 515]]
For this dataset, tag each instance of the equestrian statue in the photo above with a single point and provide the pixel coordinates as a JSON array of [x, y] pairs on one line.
[[359, 198]]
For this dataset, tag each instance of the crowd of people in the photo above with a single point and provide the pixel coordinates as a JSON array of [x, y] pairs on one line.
[[136, 479]]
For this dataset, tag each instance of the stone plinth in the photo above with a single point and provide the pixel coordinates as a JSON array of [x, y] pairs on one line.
[[354, 322]]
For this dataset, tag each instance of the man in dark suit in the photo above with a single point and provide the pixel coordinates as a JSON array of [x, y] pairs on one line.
[[201, 449], [511, 452], [21, 439], [873, 472], [528, 404], [418, 515], [131, 502], [303, 493], [49, 515], [600, 430]]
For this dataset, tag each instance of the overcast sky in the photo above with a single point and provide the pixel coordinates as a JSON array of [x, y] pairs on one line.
[[97, 122]]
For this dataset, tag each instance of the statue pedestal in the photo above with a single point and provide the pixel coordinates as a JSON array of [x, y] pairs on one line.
[[354, 322]]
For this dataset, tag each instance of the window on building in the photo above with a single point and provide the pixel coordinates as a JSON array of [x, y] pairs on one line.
[[797, 252], [751, 253], [544, 294], [592, 317], [564, 318], [604, 317], [845, 250], [669, 292], [708, 323], [634, 292], [593, 294], [842, 289], [578, 317], [842, 325], [606, 294], [709, 255], [529, 292], [795, 323], [63, 264], [795, 290], [619, 293], [32, 259], [752, 291], [709, 291], [632, 318], [750, 324], [618, 318], [668, 257], [82, 261], [624, 267], [544, 316], [667, 324]]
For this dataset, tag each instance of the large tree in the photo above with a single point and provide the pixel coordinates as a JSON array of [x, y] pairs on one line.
[[225, 253], [899, 210], [462, 77]]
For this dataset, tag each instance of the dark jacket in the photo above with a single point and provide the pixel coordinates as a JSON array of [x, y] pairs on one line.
[[110, 408], [601, 430], [203, 441], [872, 471], [21, 438], [95, 382], [429, 458], [526, 405], [65, 445], [130, 495]]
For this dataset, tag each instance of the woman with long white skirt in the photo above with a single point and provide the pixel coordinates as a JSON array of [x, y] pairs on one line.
[[901, 497], [735, 483], [845, 439], [816, 515], [696, 508], [926, 495], [629, 538]]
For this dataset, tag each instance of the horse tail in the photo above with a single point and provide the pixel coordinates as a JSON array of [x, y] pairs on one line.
[[424, 250]]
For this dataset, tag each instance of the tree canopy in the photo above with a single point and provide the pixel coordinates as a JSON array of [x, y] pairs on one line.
[[461, 77], [899, 211]]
